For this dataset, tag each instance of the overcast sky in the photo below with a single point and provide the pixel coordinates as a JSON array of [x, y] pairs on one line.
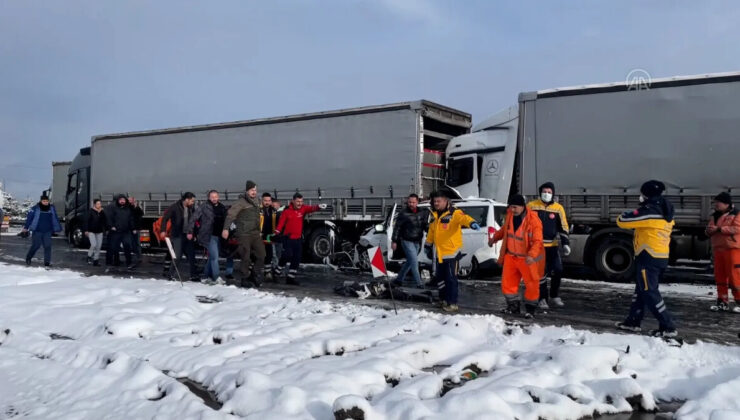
[[73, 69]]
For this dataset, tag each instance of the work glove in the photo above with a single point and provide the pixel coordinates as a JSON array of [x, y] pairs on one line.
[[566, 250], [428, 251], [322, 206], [475, 226]]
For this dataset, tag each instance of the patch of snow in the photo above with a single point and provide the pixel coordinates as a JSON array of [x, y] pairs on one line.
[[131, 347]]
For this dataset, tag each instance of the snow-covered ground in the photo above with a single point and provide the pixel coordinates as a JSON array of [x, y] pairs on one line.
[[100, 347]]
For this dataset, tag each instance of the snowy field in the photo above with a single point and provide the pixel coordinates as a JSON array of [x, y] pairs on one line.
[[98, 347]]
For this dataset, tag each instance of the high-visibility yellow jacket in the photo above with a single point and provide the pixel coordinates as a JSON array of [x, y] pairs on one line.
[[652, 223], [554, 223], [445, 232]]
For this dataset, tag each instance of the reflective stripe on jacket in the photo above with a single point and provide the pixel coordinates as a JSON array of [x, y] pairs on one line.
[[554, 222], [445, 232], [652, 229]]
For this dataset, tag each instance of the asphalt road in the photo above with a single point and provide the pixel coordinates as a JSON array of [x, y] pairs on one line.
[[592, 306]]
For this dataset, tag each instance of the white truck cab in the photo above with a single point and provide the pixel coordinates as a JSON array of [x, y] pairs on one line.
[[481, 164]]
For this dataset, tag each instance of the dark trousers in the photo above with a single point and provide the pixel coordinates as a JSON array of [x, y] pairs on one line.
[[292, 252], [249, 244], [39, 239], [136, 246], [649, 274], [553, 270], [446, 274], [268, 256], [181, 246], [116, 240]]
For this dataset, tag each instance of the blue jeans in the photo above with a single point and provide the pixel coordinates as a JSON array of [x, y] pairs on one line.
[[229, 266], [411, 249], [212, 269], [37, 240]]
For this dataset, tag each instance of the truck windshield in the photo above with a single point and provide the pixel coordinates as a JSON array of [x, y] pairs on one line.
[[460, 171]]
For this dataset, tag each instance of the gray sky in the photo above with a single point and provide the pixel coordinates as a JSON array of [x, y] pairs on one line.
[[72, 69]]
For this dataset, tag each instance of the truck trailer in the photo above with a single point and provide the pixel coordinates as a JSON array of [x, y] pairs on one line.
[[598, 144], [359, 161]]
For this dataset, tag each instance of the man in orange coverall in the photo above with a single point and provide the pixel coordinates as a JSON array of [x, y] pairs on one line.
[[724, 231], [522, 256]]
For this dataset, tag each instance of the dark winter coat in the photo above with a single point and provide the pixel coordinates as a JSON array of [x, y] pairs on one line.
[[207, 216], [176, 215], [138, 214], [42, 219], [246, 214], [96, 221], [410, 226], [269, 222], [120, 217]]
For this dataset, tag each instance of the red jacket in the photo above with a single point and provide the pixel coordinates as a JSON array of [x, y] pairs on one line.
[[291, 221]]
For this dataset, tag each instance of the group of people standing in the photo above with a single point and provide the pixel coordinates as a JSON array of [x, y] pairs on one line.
[[534, 238], [267, 236]]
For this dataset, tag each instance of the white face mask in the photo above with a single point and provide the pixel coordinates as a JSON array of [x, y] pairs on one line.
[[546, 197], [642, 198]]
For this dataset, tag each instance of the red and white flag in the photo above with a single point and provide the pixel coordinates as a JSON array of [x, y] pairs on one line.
[[377, 263]]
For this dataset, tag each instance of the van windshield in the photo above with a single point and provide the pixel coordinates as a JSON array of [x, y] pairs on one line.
[[480, 214], [460, 171]]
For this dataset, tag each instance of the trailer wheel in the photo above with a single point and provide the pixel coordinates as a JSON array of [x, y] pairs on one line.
[[615, 259], [319, 244]]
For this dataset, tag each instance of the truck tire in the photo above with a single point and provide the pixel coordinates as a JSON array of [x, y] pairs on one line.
[[615, 260], [77, 237], [319, 245]]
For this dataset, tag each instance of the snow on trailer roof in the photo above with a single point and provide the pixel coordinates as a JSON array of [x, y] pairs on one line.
[[420, 104], [629, 84]]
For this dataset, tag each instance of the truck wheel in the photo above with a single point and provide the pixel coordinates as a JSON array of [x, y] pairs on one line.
[[469, 273], [615, 259], [77, 237], [319, 245]]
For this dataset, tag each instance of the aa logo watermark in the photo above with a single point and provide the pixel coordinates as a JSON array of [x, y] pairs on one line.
[[638, 79]]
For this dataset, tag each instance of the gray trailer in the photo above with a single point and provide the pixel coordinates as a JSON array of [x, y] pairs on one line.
[[359, 161], [599, 143]]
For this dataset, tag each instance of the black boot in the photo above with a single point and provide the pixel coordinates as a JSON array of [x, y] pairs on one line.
[[96, 263], [530, 310], [89, 260], [28, 261], [512, 308]]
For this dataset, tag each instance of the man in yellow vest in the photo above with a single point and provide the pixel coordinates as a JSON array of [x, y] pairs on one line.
[[652, 223], [445, 239], [554, 234]]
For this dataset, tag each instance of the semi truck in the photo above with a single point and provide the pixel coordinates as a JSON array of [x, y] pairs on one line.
[[358, 161], [598, 144]]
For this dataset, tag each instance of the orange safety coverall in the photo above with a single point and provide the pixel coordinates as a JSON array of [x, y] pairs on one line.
[[726, 249], [515, 248]]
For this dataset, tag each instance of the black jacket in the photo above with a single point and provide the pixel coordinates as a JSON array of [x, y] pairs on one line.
[[410, 226], [120, 217], [175, 214], [96, 222], [138, 214]]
